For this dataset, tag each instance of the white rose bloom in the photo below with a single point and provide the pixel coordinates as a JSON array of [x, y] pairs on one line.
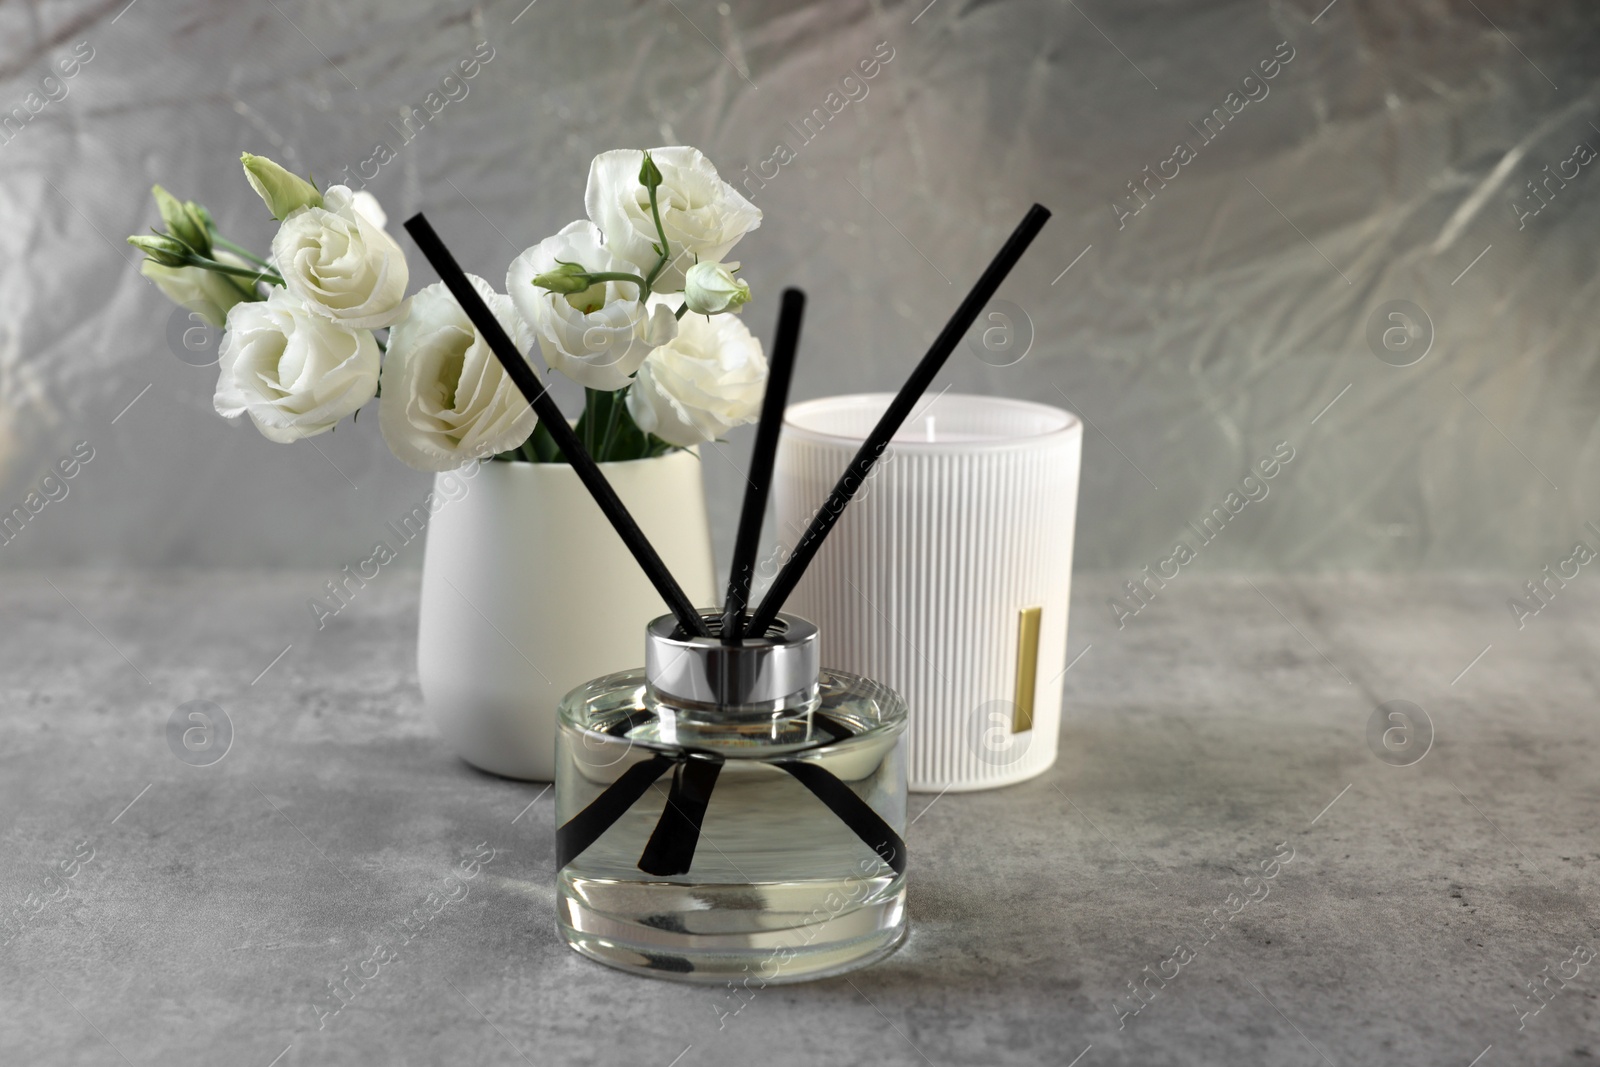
[[703, 216], [446, 398], [203, 292], [338, 259], [294, 372], [708, 380], [597, 337]]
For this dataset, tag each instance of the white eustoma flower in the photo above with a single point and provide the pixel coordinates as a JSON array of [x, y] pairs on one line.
[[710, 288], [206, 293], [338, 259], [294, 372], [368, 205], [446, 398], [597, 337], [702, 215], [708, 380]]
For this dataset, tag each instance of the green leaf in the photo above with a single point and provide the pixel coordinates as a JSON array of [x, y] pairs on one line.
[[544, 445], [616, 436]]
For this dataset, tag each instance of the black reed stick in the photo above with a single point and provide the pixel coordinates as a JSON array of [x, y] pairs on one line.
[[878, 440], [759, 480], [582, 463]]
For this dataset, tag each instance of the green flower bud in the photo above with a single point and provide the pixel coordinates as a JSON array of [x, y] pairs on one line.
[[200, 220], [709, 288], [649, 173], [566, 278], [282, 191], [167, 251], [184, 221]]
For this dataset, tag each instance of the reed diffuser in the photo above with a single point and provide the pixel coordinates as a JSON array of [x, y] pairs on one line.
[[733, 809]]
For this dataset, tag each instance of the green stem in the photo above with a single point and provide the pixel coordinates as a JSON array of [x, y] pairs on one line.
[[237, 272], [611, 423], [239, 250], [588, 419], [246, 289], [655, 272], [679, 313]]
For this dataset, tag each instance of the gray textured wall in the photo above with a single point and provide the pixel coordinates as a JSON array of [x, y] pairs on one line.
[[1220, 319]]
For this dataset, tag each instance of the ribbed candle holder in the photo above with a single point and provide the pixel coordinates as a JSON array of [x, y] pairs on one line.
[[948, 578]]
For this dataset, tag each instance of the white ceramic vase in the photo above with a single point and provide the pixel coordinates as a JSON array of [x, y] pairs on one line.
[[527, 593]]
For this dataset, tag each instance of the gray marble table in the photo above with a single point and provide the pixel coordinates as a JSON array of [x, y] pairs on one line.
[[160, 913]]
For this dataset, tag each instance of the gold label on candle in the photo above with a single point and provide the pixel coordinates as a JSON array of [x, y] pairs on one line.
[[1027, 668]]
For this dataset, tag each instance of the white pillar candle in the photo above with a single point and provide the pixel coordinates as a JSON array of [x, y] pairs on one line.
[[948, 576]]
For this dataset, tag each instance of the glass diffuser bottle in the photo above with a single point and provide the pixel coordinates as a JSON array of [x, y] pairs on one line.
[[731, 811], [772, 849]]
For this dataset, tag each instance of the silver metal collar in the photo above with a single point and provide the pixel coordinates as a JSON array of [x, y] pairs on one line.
[[761, 674]]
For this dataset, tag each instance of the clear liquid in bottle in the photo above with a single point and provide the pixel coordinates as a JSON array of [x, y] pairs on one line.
[[787, 879]]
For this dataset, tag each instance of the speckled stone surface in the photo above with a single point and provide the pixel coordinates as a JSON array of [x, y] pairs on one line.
[[209, 908]]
